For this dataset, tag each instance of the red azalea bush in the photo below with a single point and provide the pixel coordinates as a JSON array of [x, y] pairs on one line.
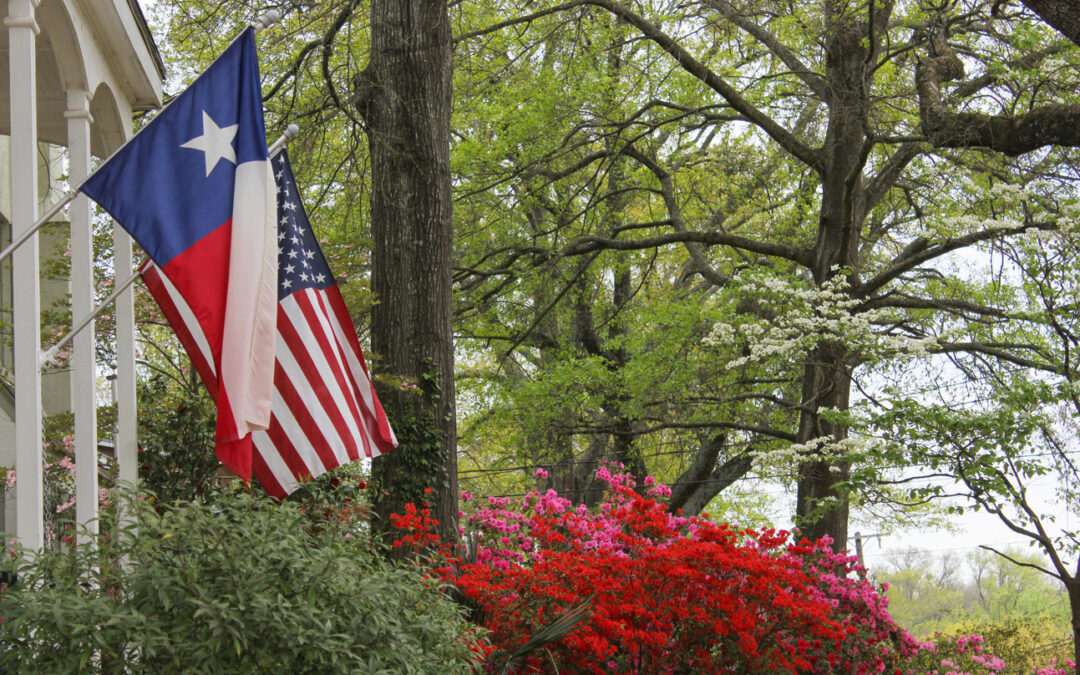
[[665, 593], [657, 592]]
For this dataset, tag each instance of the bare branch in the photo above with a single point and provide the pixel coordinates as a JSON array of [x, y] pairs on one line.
[[811, 79], [1020, 563], [920, 251]]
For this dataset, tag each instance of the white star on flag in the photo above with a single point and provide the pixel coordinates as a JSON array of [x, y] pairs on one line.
[[215, 142]]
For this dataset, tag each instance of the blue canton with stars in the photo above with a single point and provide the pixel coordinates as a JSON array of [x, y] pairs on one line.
[[300, 260]]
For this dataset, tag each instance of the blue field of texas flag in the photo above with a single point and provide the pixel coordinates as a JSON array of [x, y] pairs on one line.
[[195, 189]]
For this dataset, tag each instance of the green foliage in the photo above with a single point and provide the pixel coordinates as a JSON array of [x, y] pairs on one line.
[[1021, 612], [421, 459], [924, 595], [928, 594], [1026, 643], [176, 439], [242, 585]]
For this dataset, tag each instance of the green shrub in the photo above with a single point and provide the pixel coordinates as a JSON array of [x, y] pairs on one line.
[[1026, 643], [239, 585], [176, 440]]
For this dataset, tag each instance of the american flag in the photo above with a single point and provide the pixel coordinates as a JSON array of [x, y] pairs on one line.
[[324, 412]]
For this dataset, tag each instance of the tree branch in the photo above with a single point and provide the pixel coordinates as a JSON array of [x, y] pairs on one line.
[[988, 350], [763, 431], [667, 191], [516, 21], [328, 50], [778, 133], [901, 300], [1013, 135], [879, 185], [590, 243], [1019, 562], [811, 79], [582, 267], [920, 251]]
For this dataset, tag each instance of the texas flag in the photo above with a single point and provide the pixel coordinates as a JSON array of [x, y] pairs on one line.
[[195, 189]]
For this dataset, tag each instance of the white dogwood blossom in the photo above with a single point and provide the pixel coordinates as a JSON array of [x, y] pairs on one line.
[[803, 316]]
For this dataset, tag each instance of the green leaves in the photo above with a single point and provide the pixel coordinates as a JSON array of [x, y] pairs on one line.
[[243, 585]]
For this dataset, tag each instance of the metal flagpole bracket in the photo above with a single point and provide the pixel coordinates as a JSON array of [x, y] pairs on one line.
[[266, 20], [291, 132]]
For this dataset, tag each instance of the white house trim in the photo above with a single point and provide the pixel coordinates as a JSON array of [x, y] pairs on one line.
[[76, 70]]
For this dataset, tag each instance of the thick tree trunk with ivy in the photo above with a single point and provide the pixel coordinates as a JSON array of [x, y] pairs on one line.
[[404, 98]]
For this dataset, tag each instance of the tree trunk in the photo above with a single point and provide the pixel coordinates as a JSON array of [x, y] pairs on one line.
[[404, 97], [820, 508], [1073, 589], [1064, 15]]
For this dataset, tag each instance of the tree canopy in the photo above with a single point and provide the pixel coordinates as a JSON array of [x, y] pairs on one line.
[[823, 245]]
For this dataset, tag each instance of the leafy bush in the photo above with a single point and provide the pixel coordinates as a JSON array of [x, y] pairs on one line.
[[240, 585], [176, 440], [1020, 646], [956, 654]]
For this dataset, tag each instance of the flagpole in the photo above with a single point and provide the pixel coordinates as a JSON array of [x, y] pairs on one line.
[[47, 356], [40, 222], [262, 23]]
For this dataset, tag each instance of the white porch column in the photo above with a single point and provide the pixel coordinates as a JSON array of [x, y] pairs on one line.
[[83, 400], [22, 32], [126, 444]]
